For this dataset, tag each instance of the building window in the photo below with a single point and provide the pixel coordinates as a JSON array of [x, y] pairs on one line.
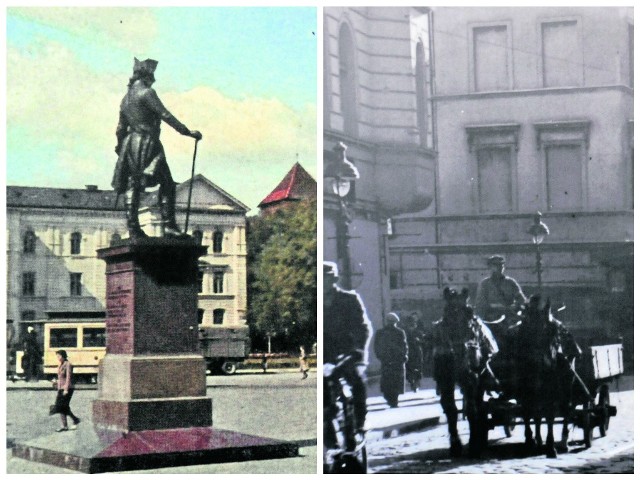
[[200, 281], [491, 58], [197, 236], [75, 281], [493, 151], [29, 284], [346, 55], [76, 239], [561, 55], [394, 280], [563, 146], [494, 179], [423, 92], [115, 238], [200, 316], [564, 170], [218, 282], [218, 237], [29, 242], [218, 316]]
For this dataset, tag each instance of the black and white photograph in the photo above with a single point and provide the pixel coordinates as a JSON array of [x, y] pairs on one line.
[[478, 239]]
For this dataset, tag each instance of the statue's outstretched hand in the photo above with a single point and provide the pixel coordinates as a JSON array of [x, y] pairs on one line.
[[196, 134]]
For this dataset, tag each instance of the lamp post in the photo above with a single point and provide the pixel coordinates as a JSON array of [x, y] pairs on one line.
[[341, 174], [538, 232]]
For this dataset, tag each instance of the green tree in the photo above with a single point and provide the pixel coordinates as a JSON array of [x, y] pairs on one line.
[[282, 276]]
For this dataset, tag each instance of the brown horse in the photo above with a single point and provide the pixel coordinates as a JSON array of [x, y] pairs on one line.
[[543, 356], [462, 344]]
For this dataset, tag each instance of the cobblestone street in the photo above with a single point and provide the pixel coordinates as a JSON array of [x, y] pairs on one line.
[[427, 451]]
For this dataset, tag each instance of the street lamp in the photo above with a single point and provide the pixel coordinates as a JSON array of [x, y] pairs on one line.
[[341, 175], [538, 232]]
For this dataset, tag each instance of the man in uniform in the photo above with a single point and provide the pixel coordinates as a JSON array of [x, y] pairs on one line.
[[498, 293], [141, 159], [347, 331]]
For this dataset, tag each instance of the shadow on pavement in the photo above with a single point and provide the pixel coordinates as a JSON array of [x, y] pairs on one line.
[[438, 459]]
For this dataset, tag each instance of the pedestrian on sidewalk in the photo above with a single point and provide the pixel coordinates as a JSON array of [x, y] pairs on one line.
[[390, 346], [32, 358], [304, 364], [414, 342], [264, 363], [65, 392]]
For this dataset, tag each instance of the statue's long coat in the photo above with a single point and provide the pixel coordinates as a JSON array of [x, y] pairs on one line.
[[140, 152]]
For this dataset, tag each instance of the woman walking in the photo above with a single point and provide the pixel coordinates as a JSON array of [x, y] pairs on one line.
[[65, 392]]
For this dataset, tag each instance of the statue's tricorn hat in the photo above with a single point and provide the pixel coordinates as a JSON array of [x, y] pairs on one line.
[[145, 66]]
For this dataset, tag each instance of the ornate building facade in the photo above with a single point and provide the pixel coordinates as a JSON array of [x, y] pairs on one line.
[[53, 273]]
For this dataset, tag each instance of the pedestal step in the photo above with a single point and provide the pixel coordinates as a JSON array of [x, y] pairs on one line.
[[99, 451]]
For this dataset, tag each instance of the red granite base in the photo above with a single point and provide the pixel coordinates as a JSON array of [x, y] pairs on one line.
[[98, 451]]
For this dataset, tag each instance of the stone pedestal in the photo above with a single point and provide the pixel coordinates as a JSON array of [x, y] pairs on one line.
[[153, 376], [152, 408]]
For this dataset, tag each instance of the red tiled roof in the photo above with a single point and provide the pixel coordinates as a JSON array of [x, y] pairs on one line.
[[296, 185]]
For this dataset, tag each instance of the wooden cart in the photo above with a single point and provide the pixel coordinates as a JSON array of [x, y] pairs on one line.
[[597, 368]]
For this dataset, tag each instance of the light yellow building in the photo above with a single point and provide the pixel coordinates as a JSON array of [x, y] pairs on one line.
[[53, 273]]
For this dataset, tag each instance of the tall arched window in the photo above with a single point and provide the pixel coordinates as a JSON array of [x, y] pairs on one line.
[[29, 242], [197, 236], [76, 240], [423, 93], [346, 55]]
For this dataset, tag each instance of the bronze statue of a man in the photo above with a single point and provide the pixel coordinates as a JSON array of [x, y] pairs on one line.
[[141, 159]]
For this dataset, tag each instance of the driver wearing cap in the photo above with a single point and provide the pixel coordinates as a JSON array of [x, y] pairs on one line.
[[497, 293]]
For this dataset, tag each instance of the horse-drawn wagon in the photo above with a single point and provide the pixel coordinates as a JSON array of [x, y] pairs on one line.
[[589, 407], [519, 372]]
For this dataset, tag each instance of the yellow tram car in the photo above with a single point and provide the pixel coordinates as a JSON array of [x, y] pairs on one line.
[[85, 344]]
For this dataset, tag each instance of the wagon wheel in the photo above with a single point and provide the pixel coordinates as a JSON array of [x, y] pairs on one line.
[[587, 427], [603, 403]]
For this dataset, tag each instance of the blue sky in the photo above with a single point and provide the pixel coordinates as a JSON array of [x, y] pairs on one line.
[[245, 77]]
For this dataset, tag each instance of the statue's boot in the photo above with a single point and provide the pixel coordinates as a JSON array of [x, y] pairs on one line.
[[133, 201], [170, 226]]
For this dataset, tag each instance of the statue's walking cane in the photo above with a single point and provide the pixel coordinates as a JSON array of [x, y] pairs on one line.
[[193, 169]]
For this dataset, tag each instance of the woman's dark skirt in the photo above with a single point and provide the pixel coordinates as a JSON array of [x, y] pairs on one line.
[[62, 402]]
